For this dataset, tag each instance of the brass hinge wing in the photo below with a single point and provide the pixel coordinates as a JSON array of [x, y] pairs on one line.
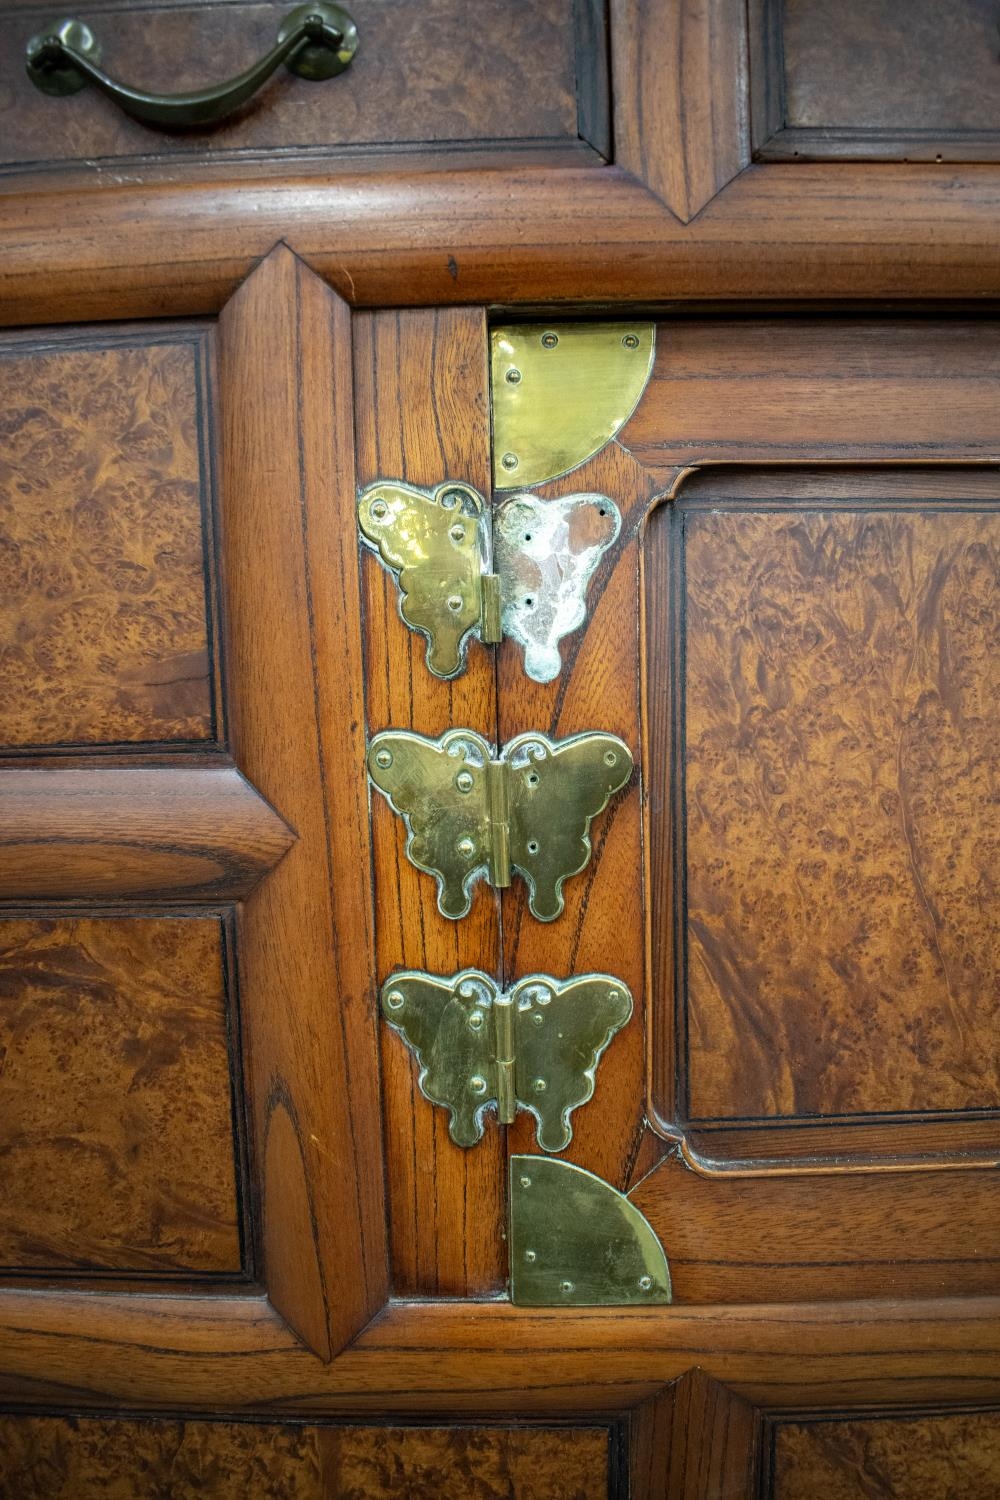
[[535, 1047], [470, 814], [464, 572]]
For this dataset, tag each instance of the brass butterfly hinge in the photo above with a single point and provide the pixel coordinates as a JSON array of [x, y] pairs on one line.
[[463, 572], [471, 815], [535, 1047], [575, 1241]]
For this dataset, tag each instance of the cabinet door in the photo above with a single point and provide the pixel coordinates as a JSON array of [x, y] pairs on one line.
[[233, 1217]]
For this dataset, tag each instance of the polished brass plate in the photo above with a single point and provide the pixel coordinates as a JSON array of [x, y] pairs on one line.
[[535, 1048], [577, 1242], [441, 548], [470, 816], [561, 393], [438, 548]]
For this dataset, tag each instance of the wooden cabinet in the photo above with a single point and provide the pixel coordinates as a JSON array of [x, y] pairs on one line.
[[240, 1252]]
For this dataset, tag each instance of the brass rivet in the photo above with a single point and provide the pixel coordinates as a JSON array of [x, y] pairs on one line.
[[383, 758], [539, 1085], [645, 1283], [631, 341], [513, 376], [466, 847], [395, 999], [477, 1084], [465, 781], [510, 461], [549, 340], [476, 1020]]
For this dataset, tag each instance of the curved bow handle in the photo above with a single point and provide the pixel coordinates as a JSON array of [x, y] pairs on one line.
[[315, 41]]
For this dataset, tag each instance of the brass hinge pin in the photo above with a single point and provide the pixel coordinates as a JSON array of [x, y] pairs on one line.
[[503, 1013], [500, 873], [491, 625]]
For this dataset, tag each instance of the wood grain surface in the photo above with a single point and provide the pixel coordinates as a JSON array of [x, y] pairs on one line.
[[423, 416], [797, 1238], [116, 1115], [235, 1353], [694, 1440], [78, 1458], [417, 81], [194, 832], [104, 491], [840, 693], [306, 946], [681, 105], [572, 235], [888, 1458]]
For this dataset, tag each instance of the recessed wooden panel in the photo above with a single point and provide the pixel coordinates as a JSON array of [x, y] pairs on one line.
[[104, 609], [69, 1458], [116, 1133], [879, 80], [423, 76], [921, 1457], [835, 706]]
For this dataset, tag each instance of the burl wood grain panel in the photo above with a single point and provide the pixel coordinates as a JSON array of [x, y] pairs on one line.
[[116, 1137], [104, 633], [878, 65], [67, 1458], [422, 75], [842, 706], [948, 1457]]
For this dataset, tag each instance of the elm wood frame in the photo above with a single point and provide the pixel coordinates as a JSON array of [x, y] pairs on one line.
[[681, 216]]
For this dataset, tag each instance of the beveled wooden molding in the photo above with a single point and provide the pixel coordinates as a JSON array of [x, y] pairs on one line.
[[291, 599], [790, 233], [694, 1440], [681, 97], [200, 833], [235, 1354]]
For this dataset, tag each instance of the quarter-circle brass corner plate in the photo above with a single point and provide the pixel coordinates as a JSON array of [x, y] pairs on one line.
[[577, 1242], [561, 393]]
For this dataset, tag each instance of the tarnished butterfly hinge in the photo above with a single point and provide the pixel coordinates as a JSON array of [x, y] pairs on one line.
[[470, 814], [464, 572], [536, 1047], [575, 1241]]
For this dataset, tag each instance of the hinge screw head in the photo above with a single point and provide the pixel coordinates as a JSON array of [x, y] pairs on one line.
[[631, 341], [530, 1255], [383, 758], [465, 781], [645, 1283], [539, 1085], [509, 461], [454, 603], [457, 533], [477, 1084], [466, 847], [549, 340], [513, 376]]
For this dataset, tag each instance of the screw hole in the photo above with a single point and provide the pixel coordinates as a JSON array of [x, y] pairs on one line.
[[532, 846], [532, 778]]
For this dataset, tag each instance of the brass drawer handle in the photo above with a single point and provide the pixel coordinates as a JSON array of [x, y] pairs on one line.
[[315, 41]]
